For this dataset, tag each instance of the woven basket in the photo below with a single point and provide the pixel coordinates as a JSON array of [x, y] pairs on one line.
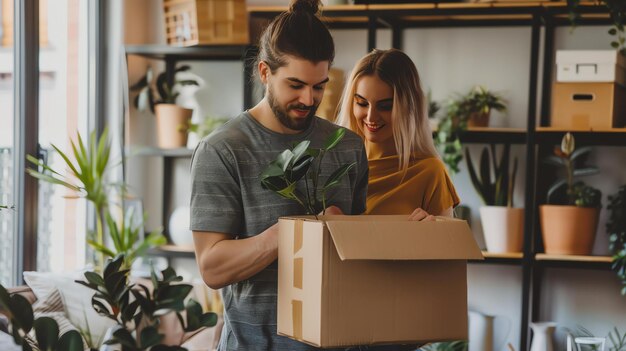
[[206, 22]]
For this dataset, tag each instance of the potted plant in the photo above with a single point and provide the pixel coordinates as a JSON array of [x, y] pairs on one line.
[[570, 219], [617, 13], [479, 102], [616, 229], [503, 225], [448, 134], [304, 163], [30, 333], [87, 178], [160, 97]]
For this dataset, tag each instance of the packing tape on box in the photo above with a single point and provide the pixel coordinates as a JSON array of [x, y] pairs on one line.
[[296, 314], [297, 233], [297, 272]]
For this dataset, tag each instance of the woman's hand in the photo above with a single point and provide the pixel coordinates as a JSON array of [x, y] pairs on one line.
[[420, 215], [332, 210]]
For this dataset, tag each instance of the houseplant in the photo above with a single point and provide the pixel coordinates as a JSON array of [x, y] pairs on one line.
[[503, 225], [87, 178], [448, 134], [42, 333], [479, 103], [617, 13], [160, 97], [616, 229], [138, 310], [304, 163], [569, 225]]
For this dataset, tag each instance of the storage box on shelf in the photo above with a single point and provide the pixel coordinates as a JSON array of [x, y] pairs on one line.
[[589, 92], [206, 22]]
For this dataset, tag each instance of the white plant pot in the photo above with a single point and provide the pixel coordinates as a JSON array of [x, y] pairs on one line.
[[503, 228]]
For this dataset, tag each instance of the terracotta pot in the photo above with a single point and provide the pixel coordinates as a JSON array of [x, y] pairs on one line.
[[568, 230], [479, 119], [503, 228], [172, 125]]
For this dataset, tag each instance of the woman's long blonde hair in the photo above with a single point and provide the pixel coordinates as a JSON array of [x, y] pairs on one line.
[[411, 130]]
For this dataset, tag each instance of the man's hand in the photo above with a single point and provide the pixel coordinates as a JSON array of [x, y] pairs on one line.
[[420, 215]]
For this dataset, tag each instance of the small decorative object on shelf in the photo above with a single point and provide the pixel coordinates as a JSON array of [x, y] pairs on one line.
[[206, 22], [543, 332], [569, 226], [179, 227], [503, 225], [160, 97]]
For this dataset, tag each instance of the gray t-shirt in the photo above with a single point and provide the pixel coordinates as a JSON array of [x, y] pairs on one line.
[[227, 197]]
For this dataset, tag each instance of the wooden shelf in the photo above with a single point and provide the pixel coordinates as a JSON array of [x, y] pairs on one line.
[[574, 261], [158, 152], [173, 251], [189, 53], [608, 137], [511, 258], [432, 14]]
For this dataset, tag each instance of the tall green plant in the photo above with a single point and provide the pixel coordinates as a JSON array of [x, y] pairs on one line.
[[616, 229], [496, 189], [577, 193], [304, 163], [87, 178], [22, 324]]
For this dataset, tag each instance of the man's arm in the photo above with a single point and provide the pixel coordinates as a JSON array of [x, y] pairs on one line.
[[223, 260]]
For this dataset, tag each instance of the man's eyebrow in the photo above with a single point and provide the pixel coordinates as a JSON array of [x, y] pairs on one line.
[[296, 80]]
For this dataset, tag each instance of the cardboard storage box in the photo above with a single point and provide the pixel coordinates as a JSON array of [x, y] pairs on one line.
[[588, 106], [364, 280], [590, 66]]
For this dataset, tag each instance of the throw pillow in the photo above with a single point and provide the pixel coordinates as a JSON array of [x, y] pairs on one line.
[[76, 300]]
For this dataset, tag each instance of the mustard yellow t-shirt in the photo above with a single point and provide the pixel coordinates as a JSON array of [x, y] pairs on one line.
[[425, 185]]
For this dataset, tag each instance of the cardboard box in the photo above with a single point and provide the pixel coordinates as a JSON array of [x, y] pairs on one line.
[[592, 66], [365, 280], [588, 106]]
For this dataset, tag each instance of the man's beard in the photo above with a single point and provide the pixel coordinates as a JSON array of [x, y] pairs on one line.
[[283, 116]]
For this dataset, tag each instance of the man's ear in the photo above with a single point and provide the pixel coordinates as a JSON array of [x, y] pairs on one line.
[[264, 71]]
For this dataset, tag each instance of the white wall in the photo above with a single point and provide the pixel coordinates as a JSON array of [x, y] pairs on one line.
[[452, 61]]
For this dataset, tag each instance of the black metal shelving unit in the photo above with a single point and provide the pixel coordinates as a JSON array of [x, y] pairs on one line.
[[536, 137], [172, 55], [541, 17]]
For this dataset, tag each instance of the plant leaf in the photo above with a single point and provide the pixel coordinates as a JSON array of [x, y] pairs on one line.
[[335, 178], [70, 341], [47, 333], [334, 138]]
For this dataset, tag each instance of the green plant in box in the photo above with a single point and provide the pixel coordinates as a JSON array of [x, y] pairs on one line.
[[303, 163]]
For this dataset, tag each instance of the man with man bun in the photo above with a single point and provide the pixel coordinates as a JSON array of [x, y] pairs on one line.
[[233, 219]]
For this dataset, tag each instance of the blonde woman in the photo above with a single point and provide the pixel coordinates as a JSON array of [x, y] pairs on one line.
[[383, 102]]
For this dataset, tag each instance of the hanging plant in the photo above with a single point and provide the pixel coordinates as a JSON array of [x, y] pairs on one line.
[[617, 13]]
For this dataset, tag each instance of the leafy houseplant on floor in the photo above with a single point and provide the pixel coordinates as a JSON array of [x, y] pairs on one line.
[[137, 309], [503, 225], [87, 178], [46, 330], [160, 97], [616, 229], [304, 163], [569, 227]]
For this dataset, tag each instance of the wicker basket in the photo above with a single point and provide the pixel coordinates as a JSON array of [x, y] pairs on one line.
[[206, 22]]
